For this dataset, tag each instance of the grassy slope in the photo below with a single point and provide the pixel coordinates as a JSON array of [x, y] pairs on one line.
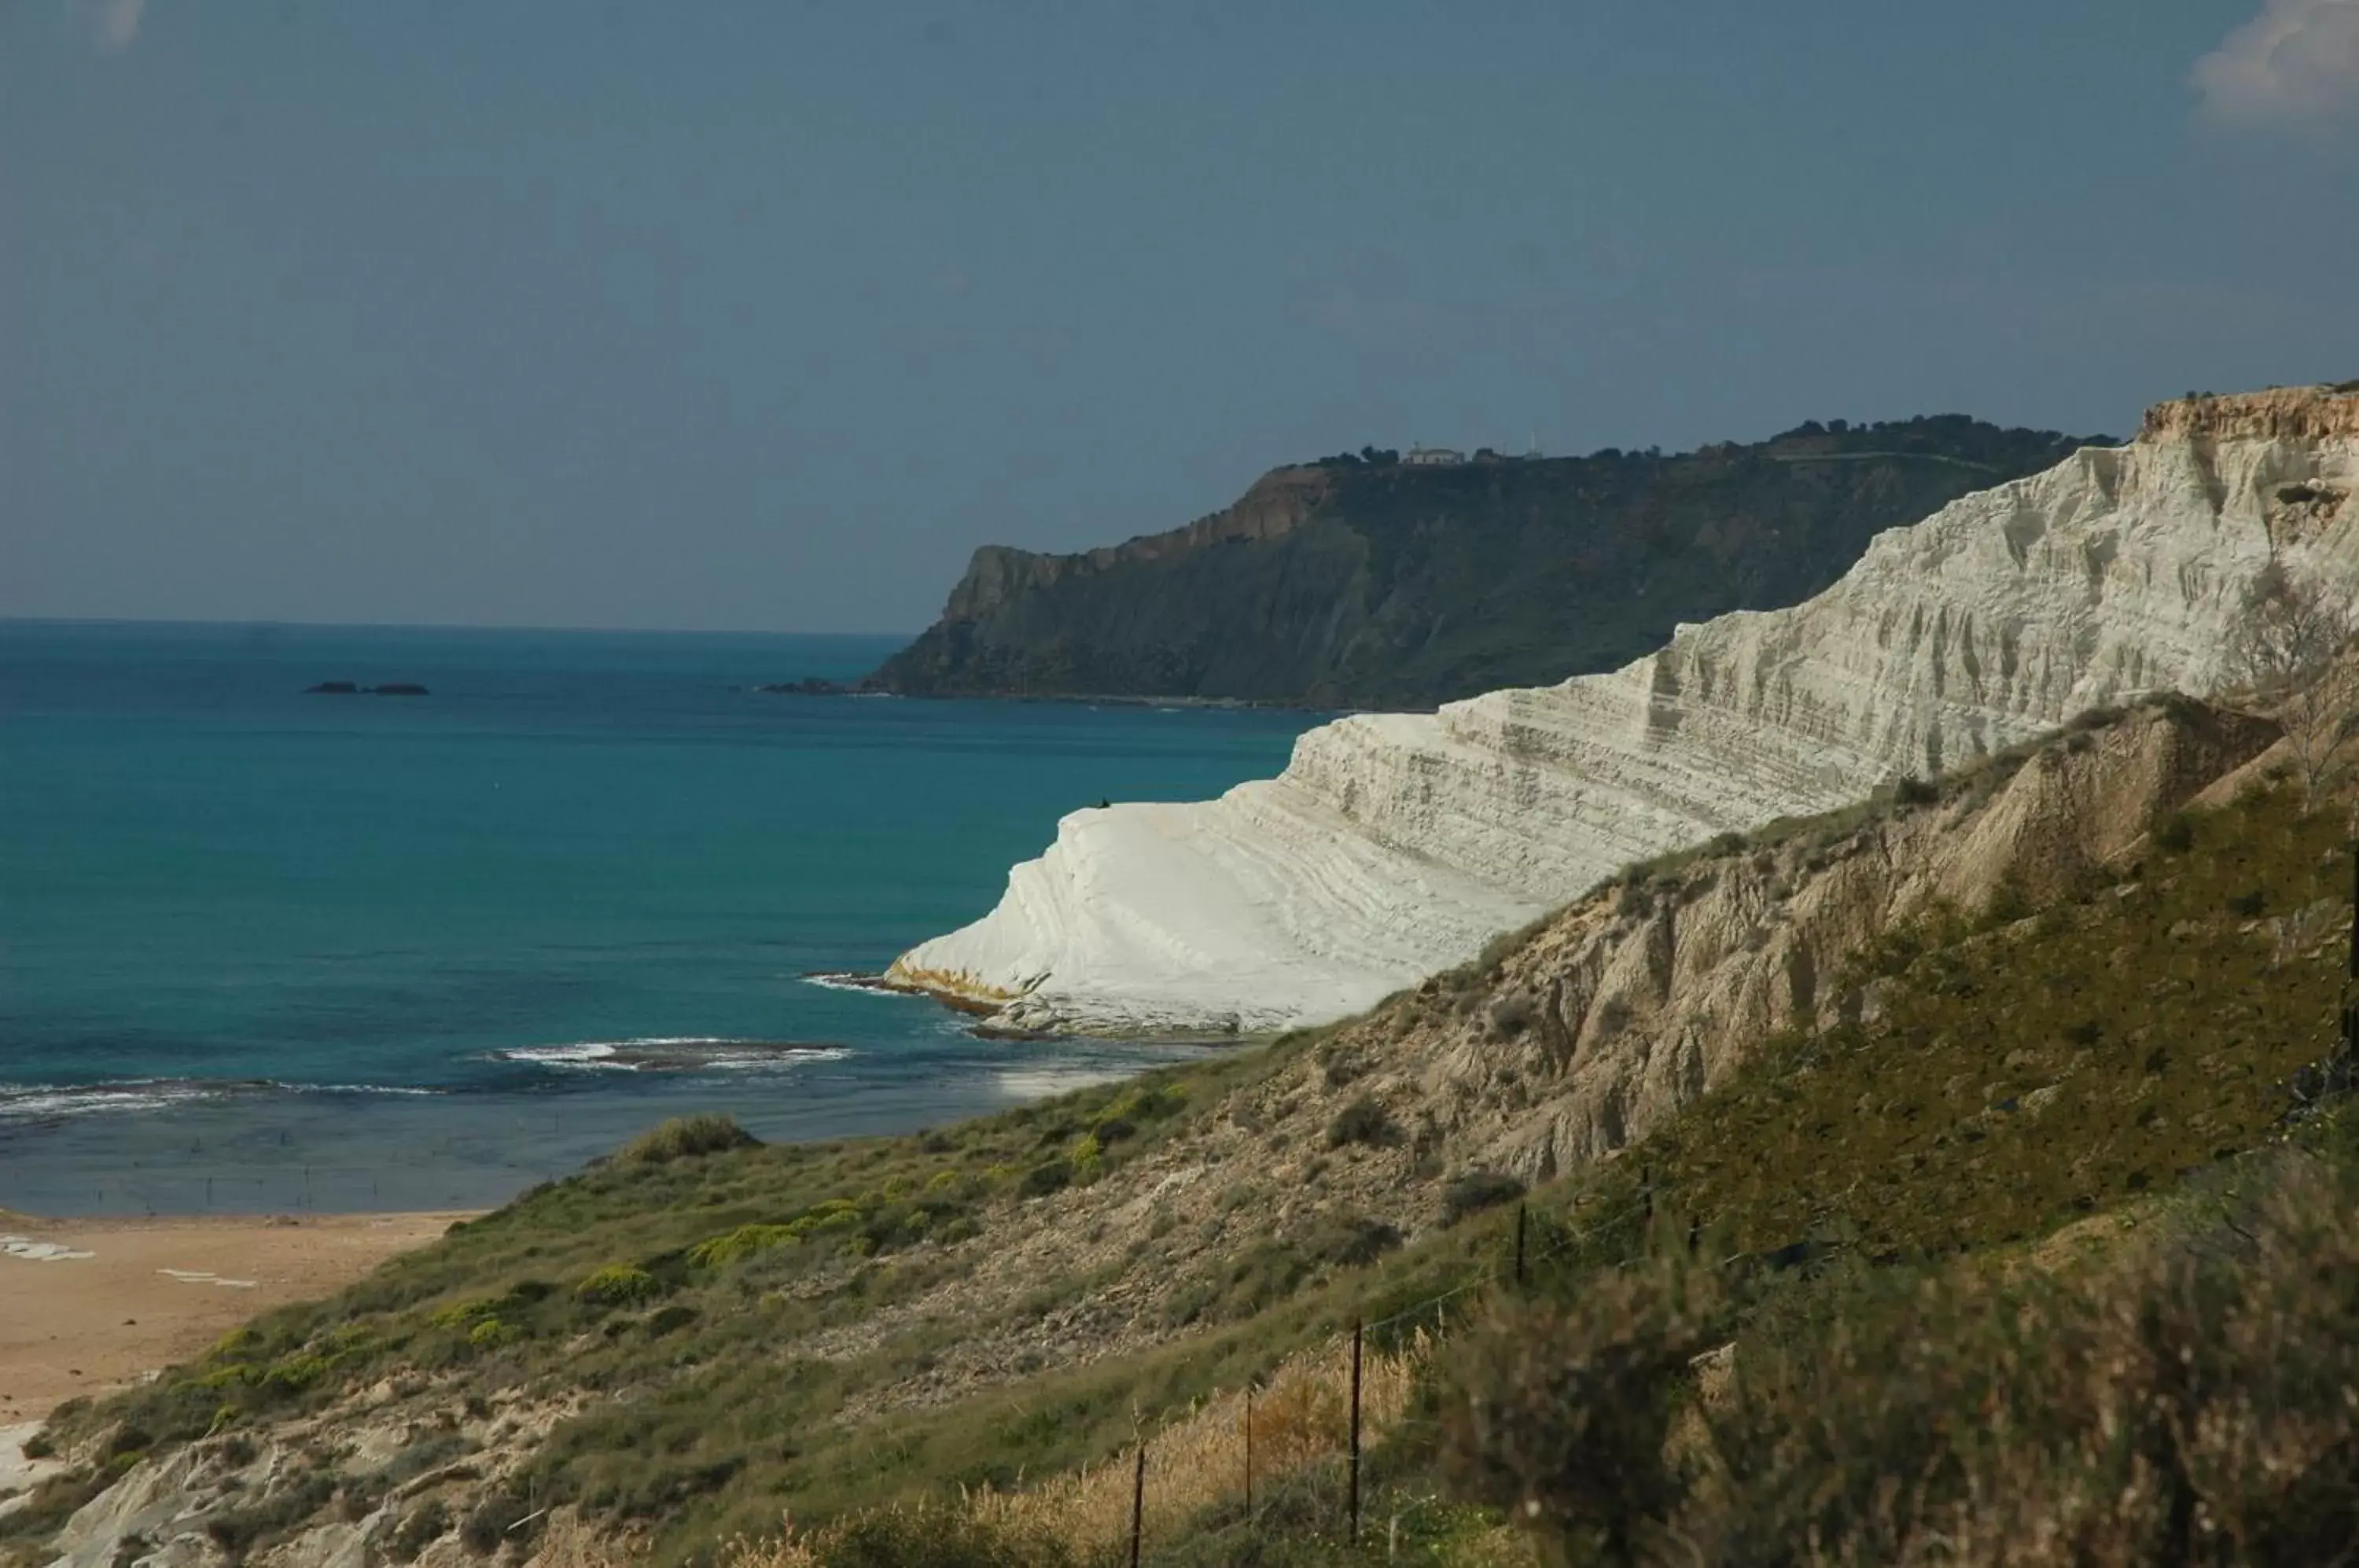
[[2026, 1067], [2030, 1066]]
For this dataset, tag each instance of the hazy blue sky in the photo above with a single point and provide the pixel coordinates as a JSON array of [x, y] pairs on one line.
[[763, 315]]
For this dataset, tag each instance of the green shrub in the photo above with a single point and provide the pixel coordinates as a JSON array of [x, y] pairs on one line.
[[1365, 1120], [490, 1333], [1338, 1066], [1350, 1241], [240, 1530], [746, 1241], [688, 1138], [670, 1319], [1049, 1176], [1560, 1413], [619, 1285], [2133, 1410], [1514, 1013], [1476, 1190], [461, 1316], [1145, 1103], [295, 1374]]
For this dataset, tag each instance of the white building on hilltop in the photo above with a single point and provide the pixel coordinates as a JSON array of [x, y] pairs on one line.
[[1433, 457]]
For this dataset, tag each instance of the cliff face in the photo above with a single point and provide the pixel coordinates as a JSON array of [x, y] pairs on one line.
[[1353, 584], [1394, 846], [2279, 414]]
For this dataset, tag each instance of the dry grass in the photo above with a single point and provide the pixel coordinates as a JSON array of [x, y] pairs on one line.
[[1194, 1465]]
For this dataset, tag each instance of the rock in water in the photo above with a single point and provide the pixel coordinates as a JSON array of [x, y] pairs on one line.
[[1396, 844]]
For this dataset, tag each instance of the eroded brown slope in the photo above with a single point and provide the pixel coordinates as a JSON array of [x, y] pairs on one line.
[[1593, 1029]]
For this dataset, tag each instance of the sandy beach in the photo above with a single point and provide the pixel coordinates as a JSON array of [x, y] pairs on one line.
[[88, 1305]]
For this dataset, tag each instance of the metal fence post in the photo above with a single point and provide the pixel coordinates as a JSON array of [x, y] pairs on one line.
[[1354, 1537], [1248, 1452], [1138, 1504], [2344, 1068], [1520, 1215]]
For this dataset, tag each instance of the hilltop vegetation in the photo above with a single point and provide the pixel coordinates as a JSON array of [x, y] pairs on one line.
[[1361, 581], [2044, 1158]]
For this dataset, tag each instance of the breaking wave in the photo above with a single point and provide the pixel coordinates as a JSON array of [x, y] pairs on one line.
[[683, 1054], [52, 1102]]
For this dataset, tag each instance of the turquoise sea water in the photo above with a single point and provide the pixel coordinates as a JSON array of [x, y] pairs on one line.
[[260, 949]]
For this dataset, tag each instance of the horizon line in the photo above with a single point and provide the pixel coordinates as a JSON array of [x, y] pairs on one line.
[[262, 622]]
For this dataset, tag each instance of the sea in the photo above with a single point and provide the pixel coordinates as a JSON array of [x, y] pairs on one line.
[[268, 950]]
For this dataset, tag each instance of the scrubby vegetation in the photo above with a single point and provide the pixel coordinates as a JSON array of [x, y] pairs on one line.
[[2010, 1068], [2042, 1250], [2183, 1397], [686, 1138]]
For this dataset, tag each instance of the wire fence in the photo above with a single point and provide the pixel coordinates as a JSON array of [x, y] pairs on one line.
[[1303, 1429]]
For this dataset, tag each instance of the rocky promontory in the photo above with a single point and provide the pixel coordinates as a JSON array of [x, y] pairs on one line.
[[1369, 581]]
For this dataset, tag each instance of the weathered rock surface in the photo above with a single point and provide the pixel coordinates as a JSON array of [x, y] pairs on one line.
[[399, 1462], [1396, 844]]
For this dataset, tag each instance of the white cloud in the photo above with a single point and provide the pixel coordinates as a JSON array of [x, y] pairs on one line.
[[2297, 63], [114, 24]]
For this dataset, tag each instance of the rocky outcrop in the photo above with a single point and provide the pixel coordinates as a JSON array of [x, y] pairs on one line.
[[1642, 996], [1358, 583], [396, 1472], [2279, 414], [1396, 844]]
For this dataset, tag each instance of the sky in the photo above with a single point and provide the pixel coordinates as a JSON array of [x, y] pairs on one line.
[[762, 314]]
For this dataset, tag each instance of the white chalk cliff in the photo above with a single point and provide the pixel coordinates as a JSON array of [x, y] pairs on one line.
[[1397, 845]]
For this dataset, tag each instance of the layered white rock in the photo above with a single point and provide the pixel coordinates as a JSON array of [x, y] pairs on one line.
[[1397, 845]]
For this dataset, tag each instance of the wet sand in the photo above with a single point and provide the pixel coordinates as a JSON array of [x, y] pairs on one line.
[[89, 1305]]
